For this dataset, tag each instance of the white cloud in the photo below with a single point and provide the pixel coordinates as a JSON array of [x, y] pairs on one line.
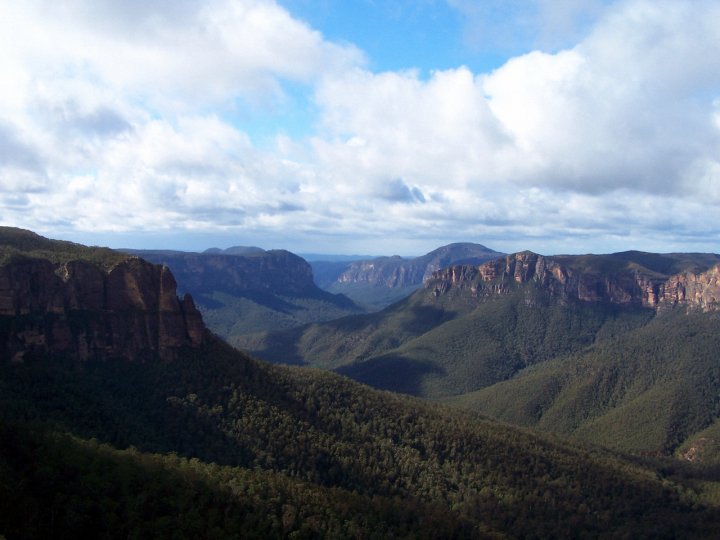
[[168, 52], [630, 108], [123, 116], [112, 110], [437, 134], [627, 107]]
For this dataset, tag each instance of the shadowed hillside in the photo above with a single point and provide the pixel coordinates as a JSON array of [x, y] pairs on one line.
[[508, 338], [215, 444], [377, 283], [241, 291]]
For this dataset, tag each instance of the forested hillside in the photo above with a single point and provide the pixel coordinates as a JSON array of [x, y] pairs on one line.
[[209, 442], [289, 441], [241, 291], [651, 389], [618, 350], [376, 283]]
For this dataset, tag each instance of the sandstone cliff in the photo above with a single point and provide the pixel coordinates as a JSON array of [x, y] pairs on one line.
[[277, 271], [616, 279], [397, 272], [77, 309]]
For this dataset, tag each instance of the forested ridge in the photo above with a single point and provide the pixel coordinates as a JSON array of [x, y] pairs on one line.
[[293, 451], [619, 375], [650, 389], [212, 443], [20, 243]]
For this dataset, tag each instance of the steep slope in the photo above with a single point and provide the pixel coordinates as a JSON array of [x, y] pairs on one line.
[[285, 440], [298, 453], [537, 306], [652, 390], [245, 290], [437, 346], [379, 282], [64, 300], [531, 321]]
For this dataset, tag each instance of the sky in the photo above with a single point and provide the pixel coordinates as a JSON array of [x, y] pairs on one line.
[[363, 126]]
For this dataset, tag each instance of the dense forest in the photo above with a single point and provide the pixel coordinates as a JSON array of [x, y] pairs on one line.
[[651, 389], [210, 442], [126, 448], [623, 375]]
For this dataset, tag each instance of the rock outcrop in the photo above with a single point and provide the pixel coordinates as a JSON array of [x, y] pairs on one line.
[[79, 310], [388, 272], [701, 290], [396, 272], [278, 271], [599, 278]]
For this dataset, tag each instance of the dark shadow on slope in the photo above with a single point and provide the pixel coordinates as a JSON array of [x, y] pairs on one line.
[[382, 332], [337, 300], [425, 318], [394, 373], [271, 301], [205, 301], [275, 347], [120, 403], [280, 303]]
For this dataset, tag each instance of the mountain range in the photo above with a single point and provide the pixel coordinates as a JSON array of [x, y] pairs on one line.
[[591, 346], [244, 290], [167, 431], [378, 282]]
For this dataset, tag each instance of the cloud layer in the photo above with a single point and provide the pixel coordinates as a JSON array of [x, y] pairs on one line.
[[129, 117]]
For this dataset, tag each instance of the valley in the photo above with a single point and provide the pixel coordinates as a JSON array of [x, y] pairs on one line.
[[121, 411], [378, 282], [241, 291], [591, 347], [366, 270]]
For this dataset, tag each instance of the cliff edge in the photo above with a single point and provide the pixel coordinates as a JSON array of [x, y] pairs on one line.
[[63, 302], [632, 278]]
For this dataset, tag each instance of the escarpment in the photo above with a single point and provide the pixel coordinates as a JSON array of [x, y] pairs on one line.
[[616, 279], [79, 310], [278, 271], [396, 272]]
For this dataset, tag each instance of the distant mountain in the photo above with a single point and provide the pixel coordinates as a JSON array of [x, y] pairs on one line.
[[239, 294], [378, 282], [325, 257], [235, 250], [508, 337], [209, 443], [326, 273]]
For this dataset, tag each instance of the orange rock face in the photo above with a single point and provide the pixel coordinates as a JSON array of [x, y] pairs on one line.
[[620, 286], [77, 310]]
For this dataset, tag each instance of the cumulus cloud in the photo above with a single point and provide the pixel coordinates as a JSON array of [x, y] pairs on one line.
[[629, 112], [112, 109], [169, 52], [124, 116], [629, 106], [438, 133]]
